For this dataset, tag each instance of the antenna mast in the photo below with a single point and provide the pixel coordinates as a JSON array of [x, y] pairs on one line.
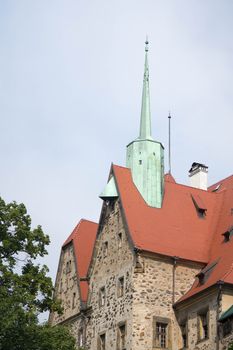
[[169, 143]]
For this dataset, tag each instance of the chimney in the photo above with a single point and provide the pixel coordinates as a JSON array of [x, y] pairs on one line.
[[198, 176]]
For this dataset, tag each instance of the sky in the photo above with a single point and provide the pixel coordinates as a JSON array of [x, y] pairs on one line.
[[71, 76]]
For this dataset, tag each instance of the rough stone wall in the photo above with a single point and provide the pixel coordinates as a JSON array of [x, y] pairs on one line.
[[227, 340], [106, 270], [153, 297], [76, 325], [226, 303], [66, 287], [209, 304]]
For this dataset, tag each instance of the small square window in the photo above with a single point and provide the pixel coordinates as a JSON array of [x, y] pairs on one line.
[[121, 337], [102, 296], [105, 248], [183, 328], [80, 337], [161, 333], [68, 266], [227, 328], [120, 286], [119, 240], [74, 300], [203, 329], [101, 342]]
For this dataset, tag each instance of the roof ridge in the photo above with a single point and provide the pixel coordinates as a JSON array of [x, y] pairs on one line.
[[228, 272], [216, 183], [87, 220], [194, 188]]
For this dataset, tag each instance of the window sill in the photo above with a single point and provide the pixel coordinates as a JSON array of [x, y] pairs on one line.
[[202, 340]]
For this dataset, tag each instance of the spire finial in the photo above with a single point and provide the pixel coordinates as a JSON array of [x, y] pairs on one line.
[[169, 143], [145, 125], [147, 44]]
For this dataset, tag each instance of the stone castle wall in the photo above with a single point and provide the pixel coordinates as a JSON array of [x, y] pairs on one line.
[[207, 304], [154, 294], [66, 286], [111, 263], [151, 286]]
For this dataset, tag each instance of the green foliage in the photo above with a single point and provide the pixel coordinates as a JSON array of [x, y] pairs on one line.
[[231, 347], [25, 288]]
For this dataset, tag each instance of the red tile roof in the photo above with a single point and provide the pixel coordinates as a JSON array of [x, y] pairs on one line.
[[174, 230], [177, 230], [83, 239], [220, 249]]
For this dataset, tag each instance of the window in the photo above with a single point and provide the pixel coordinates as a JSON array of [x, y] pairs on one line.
[[119, 240], [120, 287], [183, 328], [199, 205], [101, 342], [74, 300], [68, 266], [140, 162], [203, 329], [227, 327], [102, 296], [80, 338], [161, 333], [205, 273], [227, 235], [121, 337], [105, 248]]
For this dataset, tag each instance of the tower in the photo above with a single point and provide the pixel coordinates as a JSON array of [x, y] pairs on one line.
[[145, 156]]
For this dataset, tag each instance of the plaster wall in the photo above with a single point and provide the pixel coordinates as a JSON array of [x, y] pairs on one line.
[[227, 300], [199, 180]]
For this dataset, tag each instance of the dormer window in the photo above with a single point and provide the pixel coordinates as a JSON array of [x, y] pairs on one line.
[[227, 235], [204, 274], [199, 205], [216, 188]]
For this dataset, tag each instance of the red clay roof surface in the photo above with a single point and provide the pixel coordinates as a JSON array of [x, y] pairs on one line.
[[174, 230], [83, 239], [177, 230]]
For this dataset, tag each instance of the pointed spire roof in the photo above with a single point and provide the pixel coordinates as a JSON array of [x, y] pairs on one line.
[[145, 125]]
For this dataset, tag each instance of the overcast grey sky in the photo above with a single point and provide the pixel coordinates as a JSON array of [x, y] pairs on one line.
[[70, 96]]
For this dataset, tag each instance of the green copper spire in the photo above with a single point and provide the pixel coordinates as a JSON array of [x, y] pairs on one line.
[[145, 125], [145, 156]]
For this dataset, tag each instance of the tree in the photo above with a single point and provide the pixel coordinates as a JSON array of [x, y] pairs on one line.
[[231, 347], [25, 288]]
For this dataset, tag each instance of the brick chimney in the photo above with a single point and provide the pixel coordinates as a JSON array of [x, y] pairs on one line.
[[198, 176]]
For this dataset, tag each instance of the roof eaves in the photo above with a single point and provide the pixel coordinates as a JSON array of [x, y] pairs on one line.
[[227, 314]]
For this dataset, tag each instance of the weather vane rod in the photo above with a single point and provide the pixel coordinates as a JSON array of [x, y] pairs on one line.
[[169, 142]]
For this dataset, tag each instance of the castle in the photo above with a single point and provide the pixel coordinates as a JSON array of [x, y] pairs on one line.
[[156, 272]]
